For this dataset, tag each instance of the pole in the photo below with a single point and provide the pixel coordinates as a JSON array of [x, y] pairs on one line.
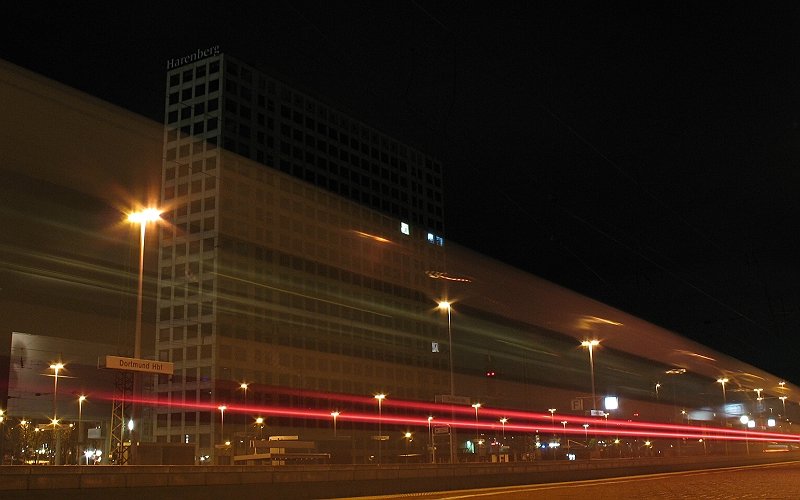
[[452, 378], [450, 341], [137, 340], [591, 365], [56, 434], [380, 430], [80, 428]]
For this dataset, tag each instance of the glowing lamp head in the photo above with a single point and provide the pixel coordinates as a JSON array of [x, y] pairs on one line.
[[476, 405], [259, 420], [444, 305], [380, 397], [145, 216], [335, 414], [590, 343]]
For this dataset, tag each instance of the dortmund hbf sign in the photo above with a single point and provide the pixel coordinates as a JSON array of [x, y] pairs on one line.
[[139, 365]]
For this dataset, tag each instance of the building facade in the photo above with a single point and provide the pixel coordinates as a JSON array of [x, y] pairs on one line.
[[310, 276]]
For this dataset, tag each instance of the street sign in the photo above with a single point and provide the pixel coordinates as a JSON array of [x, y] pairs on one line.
[[139, 365], [577, 404], [598, 413]]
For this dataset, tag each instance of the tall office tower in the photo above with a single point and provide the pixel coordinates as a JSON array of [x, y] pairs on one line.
[[280, 285], [232, 104]]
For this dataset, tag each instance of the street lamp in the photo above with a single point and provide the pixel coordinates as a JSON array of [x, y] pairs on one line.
[[758, 393], [56, 367], [477, 436], [657, 386], [2, 436], [142, 218], [334, 414], [430, 441], [446, 306], [745, 420], [222, 409], [243, 386], [564, 423], [591, 344], [503, 423], [723, 381], [380, 398], [783, 400], [260, 424], [81, 399]]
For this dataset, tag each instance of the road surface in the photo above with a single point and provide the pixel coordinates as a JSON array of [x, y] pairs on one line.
[[774, 481]]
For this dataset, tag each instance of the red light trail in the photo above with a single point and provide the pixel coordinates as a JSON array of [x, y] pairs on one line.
[[539, 423]]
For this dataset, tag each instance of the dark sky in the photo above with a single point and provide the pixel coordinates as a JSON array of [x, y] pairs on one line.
[[645, 156]]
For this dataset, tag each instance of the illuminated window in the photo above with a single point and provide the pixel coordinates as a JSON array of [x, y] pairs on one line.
[[404, 228]]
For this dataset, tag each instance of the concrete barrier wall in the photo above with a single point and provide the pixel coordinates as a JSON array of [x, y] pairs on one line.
[[331, 481]]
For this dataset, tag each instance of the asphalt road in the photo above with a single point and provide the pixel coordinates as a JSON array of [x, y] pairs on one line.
[[774, 481]]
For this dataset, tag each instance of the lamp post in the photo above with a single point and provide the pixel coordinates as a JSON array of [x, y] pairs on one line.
[[445, 306], [477, 436], [745, 420], [564, 423], [81, 399], [591, 344], [243, 386], [260, 424], [334, 414], [783, 400], [142, 218], [758, 396], [503, 423], [56, 367], [380, 398], [222, 409], [407, 435], [657, 387], [2, 437], [431, 442], [722, 381]]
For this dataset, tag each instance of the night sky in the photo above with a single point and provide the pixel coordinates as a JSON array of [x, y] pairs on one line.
[[646, 157]]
